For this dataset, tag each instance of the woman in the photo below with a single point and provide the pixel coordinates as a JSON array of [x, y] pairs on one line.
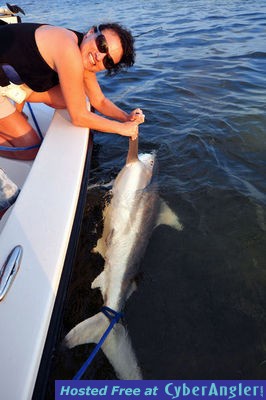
[[58, 67]]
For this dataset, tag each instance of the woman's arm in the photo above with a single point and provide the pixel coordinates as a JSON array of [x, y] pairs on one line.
[[99, 101], [68, 63]]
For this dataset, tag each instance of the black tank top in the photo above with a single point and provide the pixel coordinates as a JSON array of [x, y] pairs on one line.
[[18, 49]]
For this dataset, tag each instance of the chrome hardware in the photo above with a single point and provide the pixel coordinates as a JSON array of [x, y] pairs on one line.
[[9, 270]]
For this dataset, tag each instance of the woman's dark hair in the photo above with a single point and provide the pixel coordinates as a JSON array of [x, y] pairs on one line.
[[127, 42]]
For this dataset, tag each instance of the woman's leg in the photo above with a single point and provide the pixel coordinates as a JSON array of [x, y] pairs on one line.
[[15, 131], [53, 98]]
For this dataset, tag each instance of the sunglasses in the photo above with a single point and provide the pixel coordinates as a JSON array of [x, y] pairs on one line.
[[102, 46]]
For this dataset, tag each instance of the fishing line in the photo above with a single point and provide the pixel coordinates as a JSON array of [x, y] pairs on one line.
[[35, 121], [151, 30]]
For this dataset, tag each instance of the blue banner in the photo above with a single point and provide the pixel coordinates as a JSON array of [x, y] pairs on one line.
[[160, 390]]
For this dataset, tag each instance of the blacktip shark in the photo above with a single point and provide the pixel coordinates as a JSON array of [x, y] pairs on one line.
[[134, 211]]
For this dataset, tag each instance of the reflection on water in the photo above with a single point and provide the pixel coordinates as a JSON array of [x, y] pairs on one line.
[[200, 311]]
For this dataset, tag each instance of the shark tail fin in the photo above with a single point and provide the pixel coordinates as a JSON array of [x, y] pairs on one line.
[[133, 149], [117, 346]]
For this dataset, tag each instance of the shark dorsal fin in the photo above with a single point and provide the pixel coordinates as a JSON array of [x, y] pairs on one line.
[[132, 154]]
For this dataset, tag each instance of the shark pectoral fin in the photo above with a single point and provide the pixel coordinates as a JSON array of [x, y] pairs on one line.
[[100, 247], [99, 282], [88, 331], [168, 217]]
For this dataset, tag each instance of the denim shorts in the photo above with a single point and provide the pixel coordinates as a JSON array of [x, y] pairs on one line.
[[8, 191]]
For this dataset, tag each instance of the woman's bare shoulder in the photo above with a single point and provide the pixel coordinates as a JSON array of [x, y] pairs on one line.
[[53, 40]]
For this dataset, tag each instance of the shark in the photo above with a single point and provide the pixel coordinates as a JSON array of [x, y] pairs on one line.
[[134, 211]]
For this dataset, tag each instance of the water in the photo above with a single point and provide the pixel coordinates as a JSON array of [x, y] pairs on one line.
[[200, 310]]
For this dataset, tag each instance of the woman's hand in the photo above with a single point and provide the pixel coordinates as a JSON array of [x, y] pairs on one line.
[[130, 128], [136, 115]]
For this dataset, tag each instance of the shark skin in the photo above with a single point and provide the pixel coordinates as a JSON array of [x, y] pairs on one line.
[[134, 211]]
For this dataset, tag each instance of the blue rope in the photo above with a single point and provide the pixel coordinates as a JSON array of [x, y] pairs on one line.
[[5, 148], [35, 146], [35, 121], [114, 317]]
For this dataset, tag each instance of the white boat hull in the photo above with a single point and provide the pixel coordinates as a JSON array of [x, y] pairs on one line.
[[40, 221]]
